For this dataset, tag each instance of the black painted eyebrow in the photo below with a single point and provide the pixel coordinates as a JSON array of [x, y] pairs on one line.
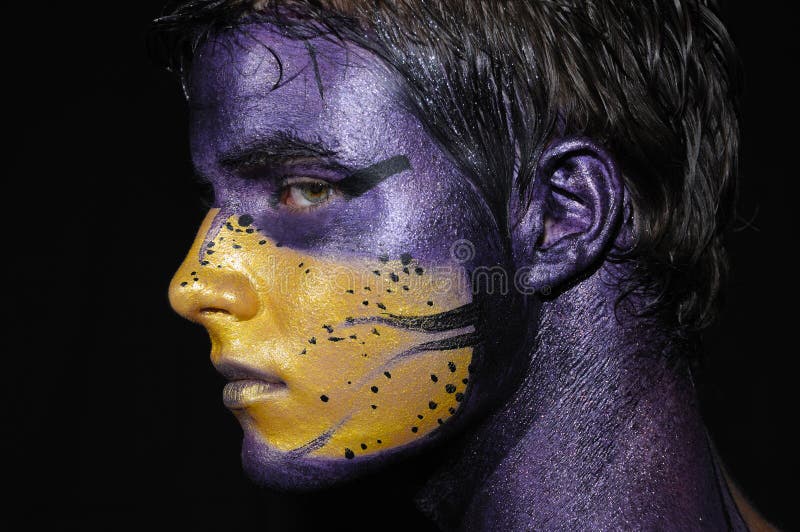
[[364, 179], [280, 148]]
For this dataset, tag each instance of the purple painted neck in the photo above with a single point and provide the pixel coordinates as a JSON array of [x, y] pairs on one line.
[[603, 433]]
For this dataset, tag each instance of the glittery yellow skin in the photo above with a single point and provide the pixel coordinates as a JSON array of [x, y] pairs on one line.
[[294, 315]]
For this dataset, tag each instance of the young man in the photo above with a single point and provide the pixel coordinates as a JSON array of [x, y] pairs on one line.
[[489, 227]]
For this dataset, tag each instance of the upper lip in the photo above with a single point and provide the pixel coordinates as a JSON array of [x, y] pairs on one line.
[[234, 370]]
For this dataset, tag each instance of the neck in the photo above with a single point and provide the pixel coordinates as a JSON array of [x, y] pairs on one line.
[[604, 432]]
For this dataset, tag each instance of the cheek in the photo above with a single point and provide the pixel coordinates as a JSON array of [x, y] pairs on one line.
[[375, 352]]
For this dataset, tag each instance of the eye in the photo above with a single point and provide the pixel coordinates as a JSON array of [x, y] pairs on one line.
[[305, 193]]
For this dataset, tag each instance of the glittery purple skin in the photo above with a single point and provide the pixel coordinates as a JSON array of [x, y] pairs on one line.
[[602, 433]]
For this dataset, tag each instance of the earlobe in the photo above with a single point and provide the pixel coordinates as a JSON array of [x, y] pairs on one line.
[[574, 213]]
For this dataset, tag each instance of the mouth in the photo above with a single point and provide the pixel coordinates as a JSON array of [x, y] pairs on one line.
[[243, 393], [248, 385]]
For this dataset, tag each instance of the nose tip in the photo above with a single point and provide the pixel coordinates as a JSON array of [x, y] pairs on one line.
[[210, 293]]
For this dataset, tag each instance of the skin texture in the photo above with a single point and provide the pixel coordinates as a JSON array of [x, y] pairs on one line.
[[557, 411], [359, 311]]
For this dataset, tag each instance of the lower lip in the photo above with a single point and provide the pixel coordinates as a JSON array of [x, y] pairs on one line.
[[241, 394]]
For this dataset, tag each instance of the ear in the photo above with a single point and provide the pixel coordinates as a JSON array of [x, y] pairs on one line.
[[572, 216]]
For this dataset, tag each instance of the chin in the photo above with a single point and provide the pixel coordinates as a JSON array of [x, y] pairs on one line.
[[291, 471]]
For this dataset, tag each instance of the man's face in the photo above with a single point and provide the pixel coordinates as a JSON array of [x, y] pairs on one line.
[[333, 273]]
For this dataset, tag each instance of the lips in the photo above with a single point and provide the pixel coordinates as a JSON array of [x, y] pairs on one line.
[[248, 385], [243, 393]]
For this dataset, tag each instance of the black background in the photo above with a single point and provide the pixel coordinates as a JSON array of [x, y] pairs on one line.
[[114, 411]]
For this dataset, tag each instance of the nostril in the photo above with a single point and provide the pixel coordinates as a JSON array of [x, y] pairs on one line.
[[210, 311]]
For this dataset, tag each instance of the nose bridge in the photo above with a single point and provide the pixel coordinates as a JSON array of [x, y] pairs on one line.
[[201, 292]]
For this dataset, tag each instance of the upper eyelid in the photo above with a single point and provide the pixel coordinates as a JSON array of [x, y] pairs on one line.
[[298, 179]]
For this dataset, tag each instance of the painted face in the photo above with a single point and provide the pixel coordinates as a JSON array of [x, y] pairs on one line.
[[335, 272]]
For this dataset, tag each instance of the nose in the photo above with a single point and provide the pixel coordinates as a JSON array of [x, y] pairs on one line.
[[203, 294]]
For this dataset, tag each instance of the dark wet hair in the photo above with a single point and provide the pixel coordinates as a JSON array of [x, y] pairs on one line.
[[655, 81]]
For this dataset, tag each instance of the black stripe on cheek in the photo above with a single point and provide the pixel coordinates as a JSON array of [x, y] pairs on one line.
[[363, 180]]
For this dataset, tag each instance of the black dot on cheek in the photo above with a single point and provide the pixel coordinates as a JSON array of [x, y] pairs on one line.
[[374, 389], [405, 259], [365, 302], [184, 283], [430, 303], [432, 405], [387, 374], [418, 270], [249, 231], [193, 273], [451, 410], [420, 416], [349, 454], [381, 306], [245, 220], [459, 397], [374, 406], [450, 388], [236, 246], [323, 398], [394, 277], [465, 381], [439, 421], [451, 366], [414, 429], [379, 441], [278, 245], [364, 446], [434, 378], [405, 287], [262, 242]]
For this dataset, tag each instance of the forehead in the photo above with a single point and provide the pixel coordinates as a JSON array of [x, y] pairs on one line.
[[247, 84]]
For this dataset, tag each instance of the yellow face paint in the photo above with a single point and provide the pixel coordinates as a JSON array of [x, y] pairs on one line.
[[361, 375]]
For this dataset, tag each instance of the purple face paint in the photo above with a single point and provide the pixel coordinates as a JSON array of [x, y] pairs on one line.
[[602, 432], [327, 124]]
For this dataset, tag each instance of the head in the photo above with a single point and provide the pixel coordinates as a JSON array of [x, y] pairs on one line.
[[397, 189]]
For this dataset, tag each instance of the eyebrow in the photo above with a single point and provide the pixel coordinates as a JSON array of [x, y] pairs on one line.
[[286, 147], [280, 148]]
